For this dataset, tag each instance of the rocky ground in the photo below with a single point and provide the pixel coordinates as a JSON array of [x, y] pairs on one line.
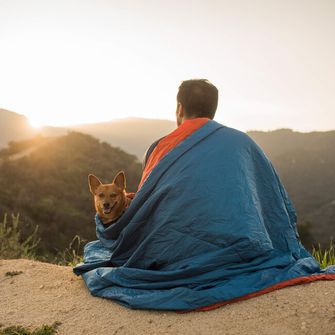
[[44, 293]]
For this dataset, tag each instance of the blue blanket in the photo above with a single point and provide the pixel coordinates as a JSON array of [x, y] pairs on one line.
[[211, 223]]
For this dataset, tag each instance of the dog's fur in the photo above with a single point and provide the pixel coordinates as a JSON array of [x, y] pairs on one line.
[[110, 200]]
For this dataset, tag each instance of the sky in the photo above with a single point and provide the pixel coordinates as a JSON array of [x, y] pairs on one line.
[[66, 62]]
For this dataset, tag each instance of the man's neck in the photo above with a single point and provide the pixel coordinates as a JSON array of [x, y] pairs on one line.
[[189, 119]]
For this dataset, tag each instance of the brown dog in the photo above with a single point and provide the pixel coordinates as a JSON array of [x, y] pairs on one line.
[[110, 200]]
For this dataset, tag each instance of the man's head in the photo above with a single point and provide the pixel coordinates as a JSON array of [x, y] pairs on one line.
[[196, 98]]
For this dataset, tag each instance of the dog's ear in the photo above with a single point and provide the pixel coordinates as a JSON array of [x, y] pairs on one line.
[[120, 180], [93, 183]]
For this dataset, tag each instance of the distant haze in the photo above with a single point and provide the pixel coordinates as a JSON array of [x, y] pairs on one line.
[[68, 62], [134, 135]]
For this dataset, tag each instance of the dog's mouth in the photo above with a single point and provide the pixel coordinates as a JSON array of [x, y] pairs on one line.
[[109, 210]]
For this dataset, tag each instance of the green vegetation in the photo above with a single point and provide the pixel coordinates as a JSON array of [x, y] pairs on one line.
[[72, 255], [49, 189], [324, 257], [12, 243], [19, 330], [13, 246], [13, 273]]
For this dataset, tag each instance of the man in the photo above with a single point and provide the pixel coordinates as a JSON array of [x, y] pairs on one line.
[[210, 224], [196, 98]]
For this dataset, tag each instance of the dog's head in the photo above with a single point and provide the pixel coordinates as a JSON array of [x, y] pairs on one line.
[[109, 199]]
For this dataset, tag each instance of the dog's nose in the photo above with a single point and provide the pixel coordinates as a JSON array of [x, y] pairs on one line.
[[106, 205]]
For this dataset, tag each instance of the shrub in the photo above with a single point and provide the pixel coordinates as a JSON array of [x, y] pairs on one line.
[[12, 243], [19, 330]]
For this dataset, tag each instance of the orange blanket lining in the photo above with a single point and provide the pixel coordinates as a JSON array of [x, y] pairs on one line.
[[169, 142], [290, 282]]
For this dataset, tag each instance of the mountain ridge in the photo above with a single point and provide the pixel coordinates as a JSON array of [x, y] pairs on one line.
[[302, 160]]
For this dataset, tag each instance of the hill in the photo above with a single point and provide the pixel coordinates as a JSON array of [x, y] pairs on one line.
[[55, 294], [304, 161], [134, 135], [14, 126], [306, 165], [48, 186]]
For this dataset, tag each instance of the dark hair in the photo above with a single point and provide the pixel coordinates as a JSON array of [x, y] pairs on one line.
[[199, 98]]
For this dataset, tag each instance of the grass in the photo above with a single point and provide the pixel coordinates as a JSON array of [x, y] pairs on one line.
[[72, 255], [325, 257], [12, 244], [13, 273], [20, 330]]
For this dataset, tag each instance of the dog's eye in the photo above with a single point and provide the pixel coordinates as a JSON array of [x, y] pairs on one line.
[[113, 195], [100, 195]]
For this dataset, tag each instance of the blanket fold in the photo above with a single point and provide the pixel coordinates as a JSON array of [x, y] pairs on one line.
[[211, 222]]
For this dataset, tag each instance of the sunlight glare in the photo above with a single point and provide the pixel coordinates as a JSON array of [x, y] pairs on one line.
[[34, 123]]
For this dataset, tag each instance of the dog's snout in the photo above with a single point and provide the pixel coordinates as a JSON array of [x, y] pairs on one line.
[[106, 205]]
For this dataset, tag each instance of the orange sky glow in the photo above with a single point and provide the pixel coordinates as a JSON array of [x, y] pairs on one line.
[[69, 62]]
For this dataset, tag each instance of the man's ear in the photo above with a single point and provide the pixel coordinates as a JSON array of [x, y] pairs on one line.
[[93, 183], [180, 111], [120, 180], [180, 114]]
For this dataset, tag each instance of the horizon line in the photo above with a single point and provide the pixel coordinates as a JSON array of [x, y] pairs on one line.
[[69, 125]]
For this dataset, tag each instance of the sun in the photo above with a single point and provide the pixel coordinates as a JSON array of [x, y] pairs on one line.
[[35, 124]]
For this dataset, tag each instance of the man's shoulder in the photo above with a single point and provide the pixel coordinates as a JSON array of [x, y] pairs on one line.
[[234, 134]]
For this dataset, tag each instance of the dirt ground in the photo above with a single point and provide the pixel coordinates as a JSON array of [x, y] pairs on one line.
[[45, 293]]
